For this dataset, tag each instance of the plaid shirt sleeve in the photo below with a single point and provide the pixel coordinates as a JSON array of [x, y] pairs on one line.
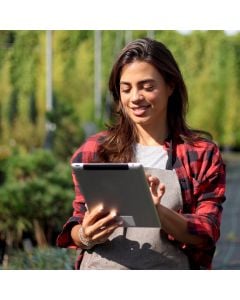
[[86, 153], [201, 174]]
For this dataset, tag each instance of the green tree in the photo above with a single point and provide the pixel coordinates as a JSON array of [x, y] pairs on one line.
[[68, 133], [231, 129]]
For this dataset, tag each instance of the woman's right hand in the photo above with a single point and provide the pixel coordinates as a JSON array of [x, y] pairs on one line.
[[157, 189], [96, 227]]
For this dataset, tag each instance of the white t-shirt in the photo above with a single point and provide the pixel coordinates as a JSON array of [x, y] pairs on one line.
[[151, 156]]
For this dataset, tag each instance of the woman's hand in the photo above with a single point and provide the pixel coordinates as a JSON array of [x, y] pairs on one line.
[[157, 189], [96, 227]]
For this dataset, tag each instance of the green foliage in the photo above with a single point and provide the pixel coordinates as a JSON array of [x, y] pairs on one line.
[[206, 87], [209, 60], [19, 74], [73, 75], [13, 108], [6, 41], [41, 259], [5, 153], [231, 130], [37, 187], [68, 134]]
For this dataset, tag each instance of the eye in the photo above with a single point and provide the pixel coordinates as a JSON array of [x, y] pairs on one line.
[[125, 90], [148, 87]]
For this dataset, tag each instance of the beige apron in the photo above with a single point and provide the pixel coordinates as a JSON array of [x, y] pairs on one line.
[[141, 248]]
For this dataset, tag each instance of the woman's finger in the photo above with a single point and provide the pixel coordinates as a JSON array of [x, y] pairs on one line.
[[103, 222], [103, 235], [92, 229], [92, 216], [153, 184], [161, 189]]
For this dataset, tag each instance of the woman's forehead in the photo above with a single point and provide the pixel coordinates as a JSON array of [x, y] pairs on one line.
[[140, 71]]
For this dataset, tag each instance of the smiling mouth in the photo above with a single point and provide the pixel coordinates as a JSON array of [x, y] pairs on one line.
[[140, 110]]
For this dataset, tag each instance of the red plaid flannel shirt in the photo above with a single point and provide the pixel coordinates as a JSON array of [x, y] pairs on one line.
[[201, 174]]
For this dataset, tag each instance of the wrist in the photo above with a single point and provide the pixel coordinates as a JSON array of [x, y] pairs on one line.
[[83, 240]]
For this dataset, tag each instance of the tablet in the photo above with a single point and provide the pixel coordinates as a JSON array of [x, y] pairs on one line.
[[120, 186]]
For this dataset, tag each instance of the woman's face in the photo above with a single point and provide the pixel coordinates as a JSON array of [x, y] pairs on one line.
[[144, 94]]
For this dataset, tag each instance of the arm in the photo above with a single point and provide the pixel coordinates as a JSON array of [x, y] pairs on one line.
[[200, 227], [176, 225], [172, 222]]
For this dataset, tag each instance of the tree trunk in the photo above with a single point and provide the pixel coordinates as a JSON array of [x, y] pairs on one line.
[[39, 234]]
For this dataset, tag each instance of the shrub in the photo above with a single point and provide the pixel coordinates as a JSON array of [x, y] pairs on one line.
[[50, 258], [36, 196]]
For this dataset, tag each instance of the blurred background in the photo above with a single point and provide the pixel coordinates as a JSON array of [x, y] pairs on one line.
[[54, 94]]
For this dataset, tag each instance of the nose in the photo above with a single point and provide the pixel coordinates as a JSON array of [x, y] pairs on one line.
[[136, 95]]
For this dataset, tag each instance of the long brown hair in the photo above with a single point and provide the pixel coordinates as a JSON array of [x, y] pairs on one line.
[[122, 134]]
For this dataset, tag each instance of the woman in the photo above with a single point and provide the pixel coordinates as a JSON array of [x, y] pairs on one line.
[[150, 100]]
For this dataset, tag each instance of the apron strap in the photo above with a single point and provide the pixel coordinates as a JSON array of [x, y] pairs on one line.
[[171, 156]]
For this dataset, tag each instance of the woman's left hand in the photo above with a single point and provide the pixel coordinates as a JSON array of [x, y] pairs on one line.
[[157, 189]]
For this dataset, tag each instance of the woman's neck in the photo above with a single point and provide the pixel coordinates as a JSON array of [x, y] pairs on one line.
[[152, 137]]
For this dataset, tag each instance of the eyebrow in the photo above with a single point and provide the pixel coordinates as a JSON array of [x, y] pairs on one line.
[[139, 82]]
